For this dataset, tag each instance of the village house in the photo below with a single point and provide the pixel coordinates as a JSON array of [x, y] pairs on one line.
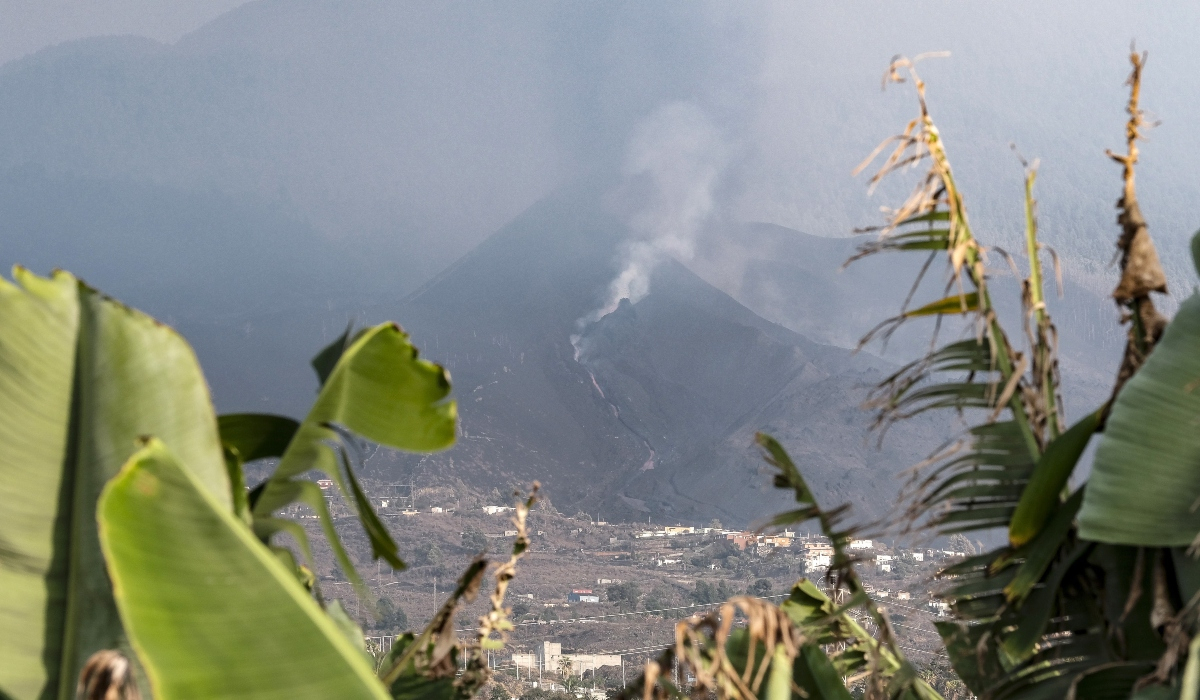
[[583, 595], [549, 659]]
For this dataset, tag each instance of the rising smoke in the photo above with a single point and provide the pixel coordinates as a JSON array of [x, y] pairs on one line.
[[672, 168]]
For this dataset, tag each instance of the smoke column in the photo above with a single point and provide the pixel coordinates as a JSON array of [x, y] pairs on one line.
[[671, 171]]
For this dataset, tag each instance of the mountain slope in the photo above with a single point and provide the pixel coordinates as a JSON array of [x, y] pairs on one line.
[[656, 415]]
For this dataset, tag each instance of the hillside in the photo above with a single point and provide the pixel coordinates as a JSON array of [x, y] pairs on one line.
[[656, 416]]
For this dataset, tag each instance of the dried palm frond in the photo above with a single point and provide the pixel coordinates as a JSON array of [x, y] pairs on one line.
[[107, 675], [494, 625], [974, 481], [1141, 272]]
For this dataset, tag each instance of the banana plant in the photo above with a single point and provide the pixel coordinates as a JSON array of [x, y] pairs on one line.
[[810, 646], [131, 552], [82, 377], [1096, 593], [1093, 594], [373, 386]]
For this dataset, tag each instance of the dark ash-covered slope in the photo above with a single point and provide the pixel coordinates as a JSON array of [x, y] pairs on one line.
[[656, 416]]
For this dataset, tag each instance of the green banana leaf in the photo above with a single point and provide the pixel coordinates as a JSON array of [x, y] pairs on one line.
[[373, 386], [1042, 493], [1146, 478], [380, 390], [210, 610], [81, 378]]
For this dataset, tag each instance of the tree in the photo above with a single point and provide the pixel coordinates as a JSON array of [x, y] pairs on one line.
[[625, 595], [428, 554], [499, 692], [520, 609], [706, 593], [474, 540], [390, 616], [659, 597], [703, 593], [760, 588], [960, 543]]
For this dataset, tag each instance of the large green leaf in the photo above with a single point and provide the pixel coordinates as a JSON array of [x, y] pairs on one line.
[[38, 324], [81, 378], [1050, 476], [379, 389], [1146, 478], [373, 386], [211, 611]]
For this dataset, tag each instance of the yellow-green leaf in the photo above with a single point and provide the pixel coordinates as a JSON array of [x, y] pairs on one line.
[[211, 611], [81, 377], [957, 304]]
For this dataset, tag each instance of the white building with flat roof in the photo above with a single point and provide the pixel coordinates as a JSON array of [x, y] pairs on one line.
[[549, 660]]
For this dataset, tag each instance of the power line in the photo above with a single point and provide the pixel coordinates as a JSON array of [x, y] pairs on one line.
[[919, 629], [626, 614]]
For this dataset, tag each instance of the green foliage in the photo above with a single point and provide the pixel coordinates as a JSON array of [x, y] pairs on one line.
[[374, 386], [1153, 424], [170, 581], [625, 595], [428, 554], [263, 618], [761, 587], [706, 593], [543, 694], [474, 540], [520, 609], [81, 379], [390, 616], [660, 597]]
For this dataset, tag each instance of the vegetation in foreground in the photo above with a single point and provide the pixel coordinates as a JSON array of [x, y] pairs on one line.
[[135, 561]]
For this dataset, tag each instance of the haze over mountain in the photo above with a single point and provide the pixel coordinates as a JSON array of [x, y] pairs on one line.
[[407, 132], [295, 163]]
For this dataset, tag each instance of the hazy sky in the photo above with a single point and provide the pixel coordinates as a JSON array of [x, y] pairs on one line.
[[29, 25], [406, 132]]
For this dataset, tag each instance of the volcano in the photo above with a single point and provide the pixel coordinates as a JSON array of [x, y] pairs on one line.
[[654, 414]]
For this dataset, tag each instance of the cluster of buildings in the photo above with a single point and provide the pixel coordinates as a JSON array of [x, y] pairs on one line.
[[815, 550], [673, 531], [548, 659], [818, 554]]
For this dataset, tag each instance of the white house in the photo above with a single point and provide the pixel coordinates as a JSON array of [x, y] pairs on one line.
[[861, 544], [549, 659]]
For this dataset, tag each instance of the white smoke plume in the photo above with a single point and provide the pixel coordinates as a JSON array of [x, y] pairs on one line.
[[672, 168]]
